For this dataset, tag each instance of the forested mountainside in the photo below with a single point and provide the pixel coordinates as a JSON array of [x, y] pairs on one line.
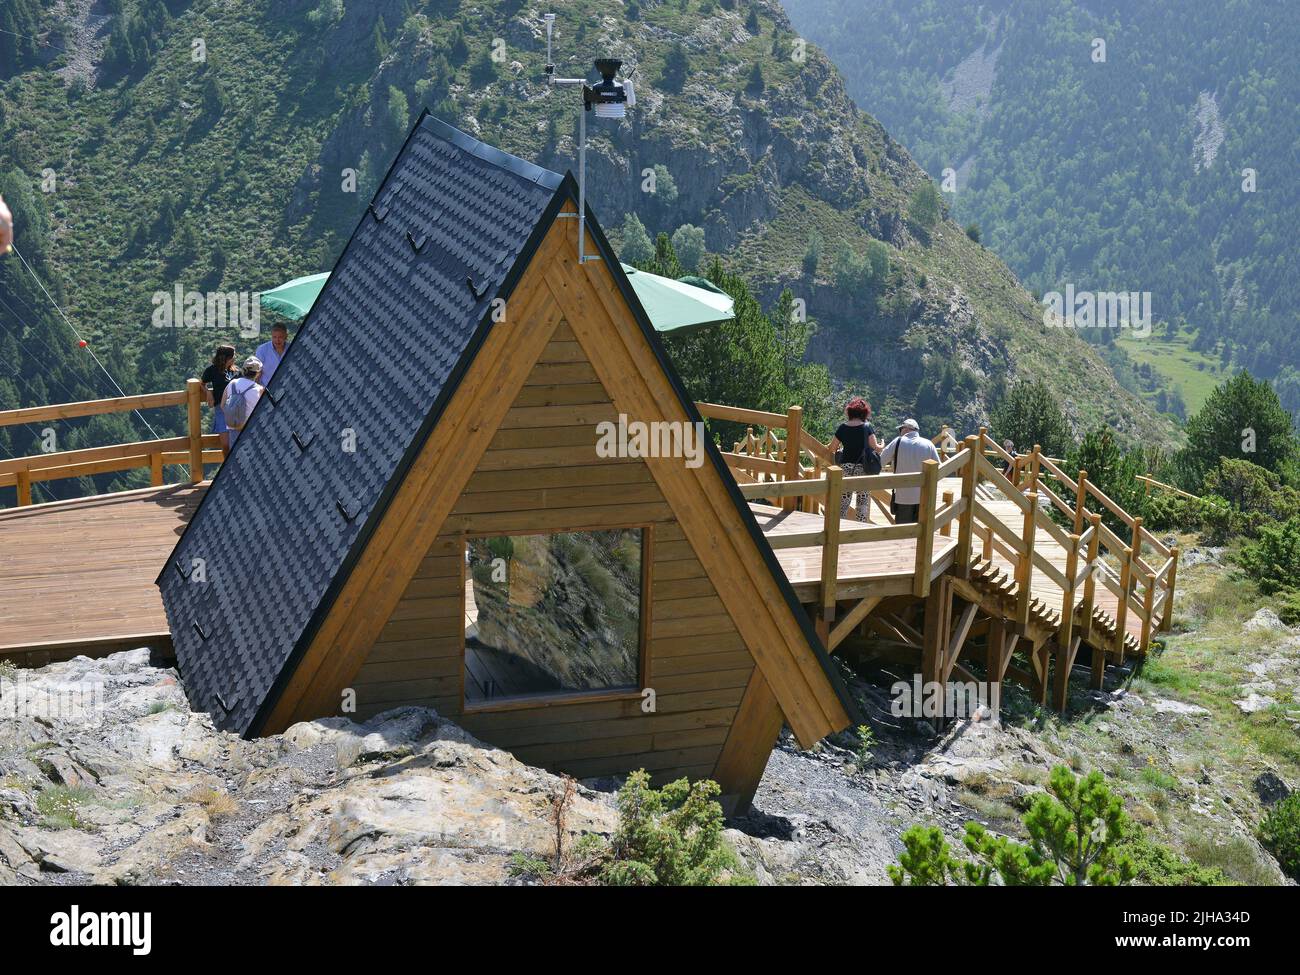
[[147, 145], [1110, 145]]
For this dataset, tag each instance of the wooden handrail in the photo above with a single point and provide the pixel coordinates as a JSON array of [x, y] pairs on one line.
[[738, 414], [194, 450], [92, 407]]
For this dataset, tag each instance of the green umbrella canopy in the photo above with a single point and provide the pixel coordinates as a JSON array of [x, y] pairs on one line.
[[672, 305], [294, 299]]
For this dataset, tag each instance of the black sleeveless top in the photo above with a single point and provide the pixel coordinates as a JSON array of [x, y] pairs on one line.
[[854, 439]]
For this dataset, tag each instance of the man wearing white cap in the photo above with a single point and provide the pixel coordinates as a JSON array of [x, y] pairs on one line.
[[907, 452]]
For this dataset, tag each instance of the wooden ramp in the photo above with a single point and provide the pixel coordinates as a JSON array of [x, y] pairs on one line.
[[78, 576]]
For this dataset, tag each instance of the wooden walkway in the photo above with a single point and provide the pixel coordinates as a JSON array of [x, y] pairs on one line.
[[78, 576], [1010, 571]]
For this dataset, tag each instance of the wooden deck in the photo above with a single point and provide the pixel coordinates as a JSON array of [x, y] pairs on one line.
[[863, 568], [78, 576]]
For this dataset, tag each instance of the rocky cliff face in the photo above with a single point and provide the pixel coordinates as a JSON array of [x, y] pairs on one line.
[[109, 778]]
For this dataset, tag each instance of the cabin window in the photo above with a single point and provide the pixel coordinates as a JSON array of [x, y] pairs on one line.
[[553, 614]]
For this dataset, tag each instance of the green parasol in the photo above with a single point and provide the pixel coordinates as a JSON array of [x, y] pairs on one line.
[[672, 306], [294, 299]]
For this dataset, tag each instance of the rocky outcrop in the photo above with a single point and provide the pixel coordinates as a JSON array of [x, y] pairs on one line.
[[107, 777]]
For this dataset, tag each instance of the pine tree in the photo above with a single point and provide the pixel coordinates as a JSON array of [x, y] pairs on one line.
[[1030, 414], [636, 249]]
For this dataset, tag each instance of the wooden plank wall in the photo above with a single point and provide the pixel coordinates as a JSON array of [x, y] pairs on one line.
[[541, 472]]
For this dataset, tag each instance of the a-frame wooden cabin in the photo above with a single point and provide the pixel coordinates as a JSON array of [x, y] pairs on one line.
[[420, 513]]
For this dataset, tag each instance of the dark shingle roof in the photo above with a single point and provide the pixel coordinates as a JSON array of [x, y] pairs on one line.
[[378, 355]]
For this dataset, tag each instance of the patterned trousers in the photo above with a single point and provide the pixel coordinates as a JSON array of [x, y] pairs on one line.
[[864, 500]]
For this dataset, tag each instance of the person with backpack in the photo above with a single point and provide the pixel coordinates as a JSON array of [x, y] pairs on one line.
[[241, 396], [857, 452]]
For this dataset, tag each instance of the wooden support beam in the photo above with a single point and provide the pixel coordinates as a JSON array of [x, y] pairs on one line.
[[934, 642], [1167, 618], [1035, 465], [1081, 503], [1098, 668], [925, 524], [1040, 657], [749, 743], [1148, 611], [966, 521], [1025, 564], [1137, 542], [24, 488], [1090, 583], [194, 414], [855, 616], [907, 631], [831, 544], [793, 432], [156, 468], [959, 634], [1121, 614], [1067, 650], [1067, 591]]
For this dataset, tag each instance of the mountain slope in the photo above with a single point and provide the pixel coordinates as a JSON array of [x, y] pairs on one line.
[[252, 164], [1158, 163]]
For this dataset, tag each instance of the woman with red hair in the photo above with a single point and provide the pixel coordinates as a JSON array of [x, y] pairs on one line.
[[857, 451]]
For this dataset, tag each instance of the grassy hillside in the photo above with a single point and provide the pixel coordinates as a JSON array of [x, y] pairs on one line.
[[135, 165], [1111, 145]]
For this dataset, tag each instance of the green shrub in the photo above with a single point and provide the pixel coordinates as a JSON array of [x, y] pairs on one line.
[[1076, 834], [1156, 865], [1288, 610], [669, 837], [1280, 833], [1272, 561]]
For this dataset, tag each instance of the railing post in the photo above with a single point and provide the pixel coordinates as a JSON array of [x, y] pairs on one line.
[[793, 431], [831, 545], [1167, 617], [156, 468], [194, 407], [1067, 597], [1137, 537], [966, 525], [925, 527], [1121, 614], [1148, 610], [24, 487], [1035, 464], [946, 529], [1025, 567], [1090, 583], [1065, 636], [1081, 503]]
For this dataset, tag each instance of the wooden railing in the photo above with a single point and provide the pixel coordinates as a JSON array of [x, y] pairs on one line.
[[1137, 568], [193, 450]]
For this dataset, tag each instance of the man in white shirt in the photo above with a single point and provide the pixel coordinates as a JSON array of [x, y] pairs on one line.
[[272, 352], [907, 452]]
